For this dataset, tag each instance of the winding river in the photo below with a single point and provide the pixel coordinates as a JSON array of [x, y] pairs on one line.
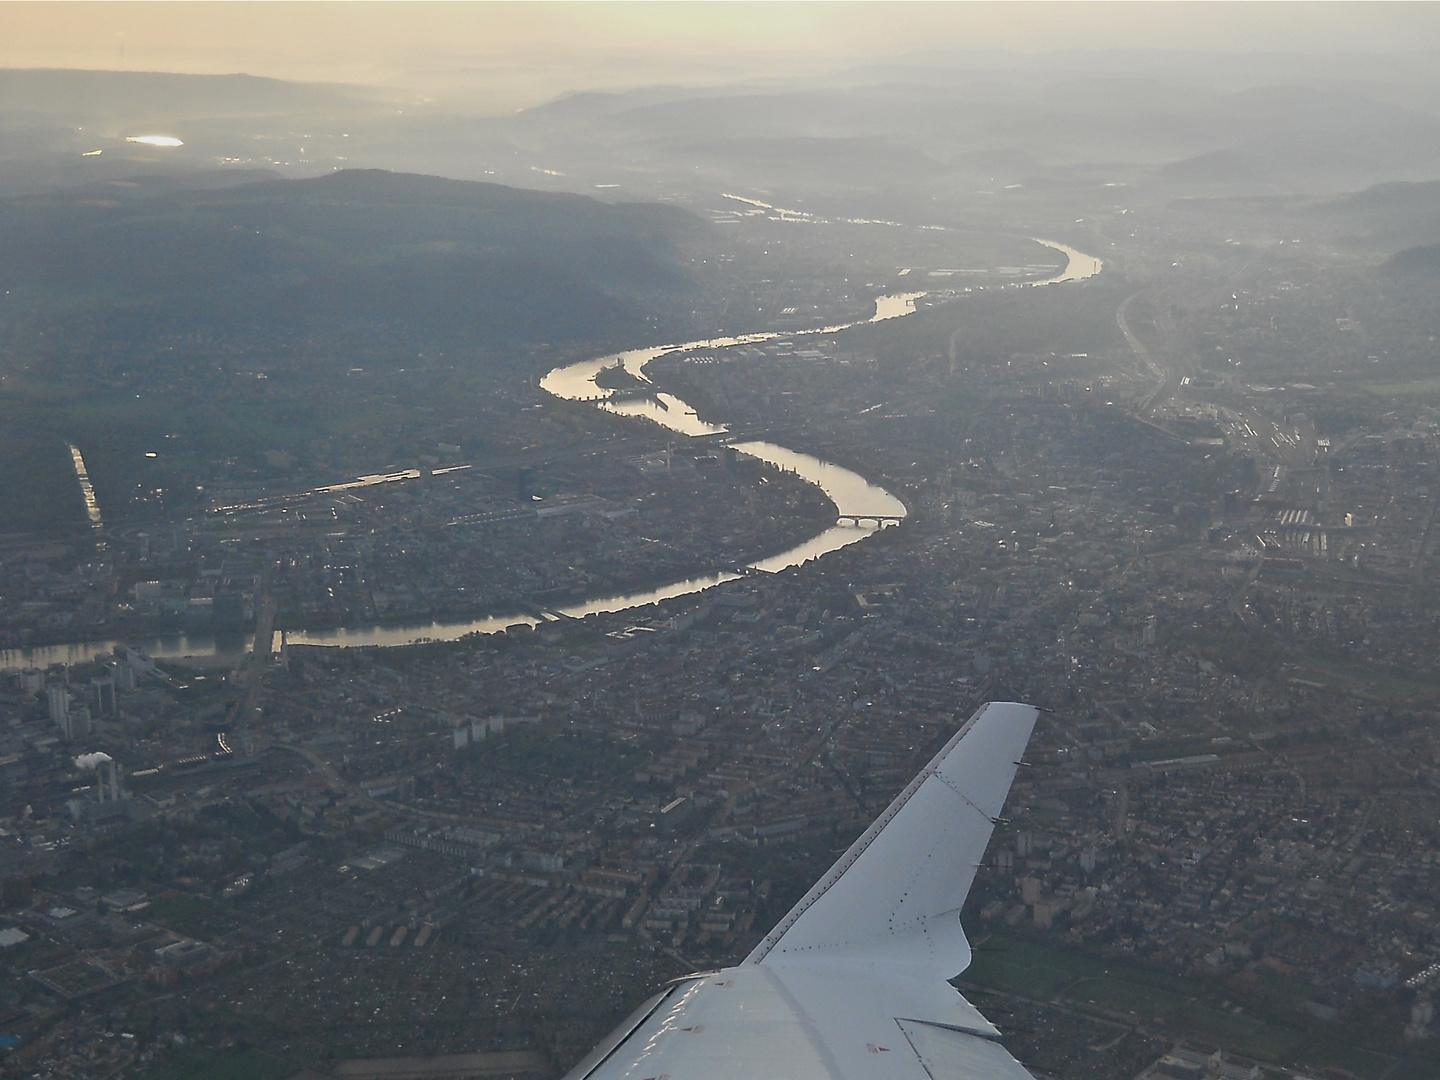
[[863, 508]]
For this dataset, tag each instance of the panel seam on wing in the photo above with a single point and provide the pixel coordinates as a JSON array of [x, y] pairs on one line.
[[975, 806]]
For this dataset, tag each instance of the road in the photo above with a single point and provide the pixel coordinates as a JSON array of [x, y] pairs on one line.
[[1162, 376]]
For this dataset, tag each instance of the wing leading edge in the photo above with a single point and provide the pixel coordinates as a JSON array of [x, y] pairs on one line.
[[853, 982]]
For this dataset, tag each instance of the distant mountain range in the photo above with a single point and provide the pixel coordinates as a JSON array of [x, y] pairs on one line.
[[1013, 128], [926, 137], [141, 96], [1418, 262]]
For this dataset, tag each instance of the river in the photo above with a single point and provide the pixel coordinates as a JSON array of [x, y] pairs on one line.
[[863, 508]]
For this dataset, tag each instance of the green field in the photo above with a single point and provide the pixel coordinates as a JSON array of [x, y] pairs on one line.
[[1422, 388], [1334, 1053], [1187, 1007], [1120, 995], [1044, 973], [190, 915], [1029, 981], [1241, 1034], [1414, 1069], [1381, 684], [241, 1065], [1013, 952]]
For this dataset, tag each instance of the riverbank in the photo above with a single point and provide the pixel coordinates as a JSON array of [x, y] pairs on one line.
[[862, 507]]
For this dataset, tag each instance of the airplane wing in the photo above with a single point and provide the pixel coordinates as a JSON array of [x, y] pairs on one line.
[[854, 982]]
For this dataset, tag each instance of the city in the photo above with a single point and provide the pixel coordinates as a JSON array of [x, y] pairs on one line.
[[1232, 785], [464, 569]]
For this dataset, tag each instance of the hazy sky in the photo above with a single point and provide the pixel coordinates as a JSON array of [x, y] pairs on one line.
[[519, 53]]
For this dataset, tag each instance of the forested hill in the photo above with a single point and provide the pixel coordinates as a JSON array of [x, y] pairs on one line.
[[221, 322], [436, 261]]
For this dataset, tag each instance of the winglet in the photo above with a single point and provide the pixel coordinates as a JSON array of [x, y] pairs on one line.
[[896, 894]]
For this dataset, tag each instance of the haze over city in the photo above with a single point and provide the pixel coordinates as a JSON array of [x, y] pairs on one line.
[[497, 499]]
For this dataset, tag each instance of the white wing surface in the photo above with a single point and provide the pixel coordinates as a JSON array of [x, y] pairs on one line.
[[853, 982]]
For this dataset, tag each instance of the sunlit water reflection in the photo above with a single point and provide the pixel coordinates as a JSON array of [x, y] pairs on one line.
[[863, 508]]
